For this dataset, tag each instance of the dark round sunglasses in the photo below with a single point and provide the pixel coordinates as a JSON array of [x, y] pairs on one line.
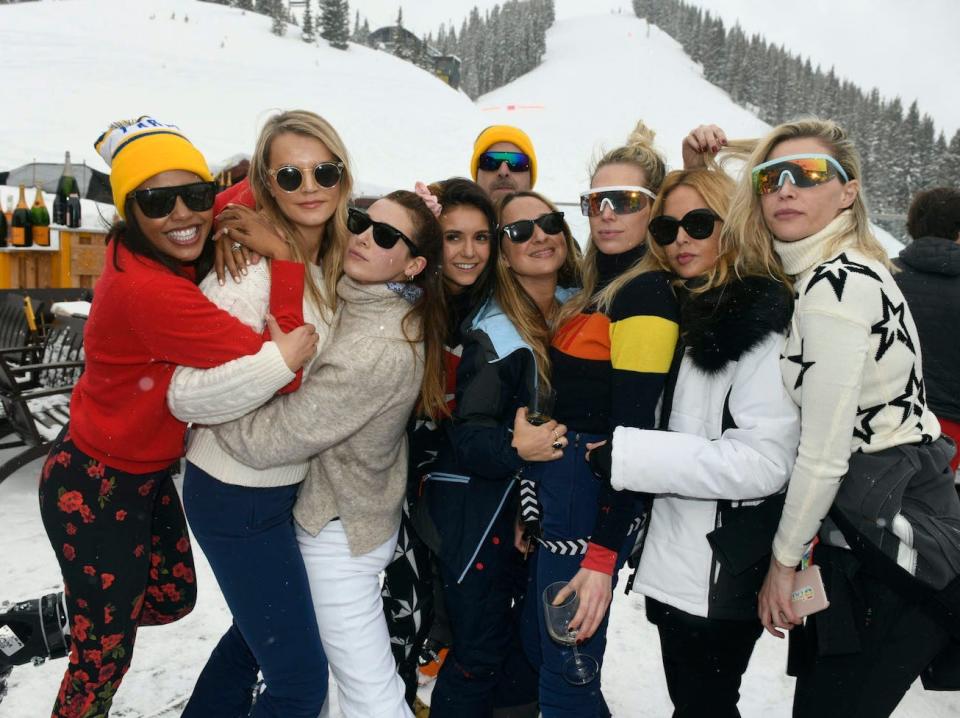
[[516, 161], [384, 234], [160, 201], [697, 223], [522, 230], [289, 178]]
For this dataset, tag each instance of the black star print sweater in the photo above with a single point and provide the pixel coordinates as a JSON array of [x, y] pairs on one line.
[[852, 363]]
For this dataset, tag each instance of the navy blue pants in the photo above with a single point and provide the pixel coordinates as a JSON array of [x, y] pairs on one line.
[[486, 666], [247, 536], [568, 494]]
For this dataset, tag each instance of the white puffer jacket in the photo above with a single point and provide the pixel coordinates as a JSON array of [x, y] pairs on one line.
[[732, 441]]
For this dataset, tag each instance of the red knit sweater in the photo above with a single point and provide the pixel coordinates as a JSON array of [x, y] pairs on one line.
[[146, 321]]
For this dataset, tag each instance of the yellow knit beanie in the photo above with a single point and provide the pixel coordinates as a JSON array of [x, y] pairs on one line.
[[504, 133], [136, 150]]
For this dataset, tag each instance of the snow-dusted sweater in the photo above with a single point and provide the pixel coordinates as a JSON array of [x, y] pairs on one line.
[[852, 363], [227, 392], [349, 419]]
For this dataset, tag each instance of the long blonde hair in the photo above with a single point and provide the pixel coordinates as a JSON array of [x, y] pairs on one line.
[[734, 258], [517, 305], [745, 220], [640, 153], [335, 233]]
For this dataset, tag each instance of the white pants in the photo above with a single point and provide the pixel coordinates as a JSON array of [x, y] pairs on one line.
[[346, 597]]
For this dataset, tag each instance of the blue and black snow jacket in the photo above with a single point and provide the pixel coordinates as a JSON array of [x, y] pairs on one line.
[[475, 476]]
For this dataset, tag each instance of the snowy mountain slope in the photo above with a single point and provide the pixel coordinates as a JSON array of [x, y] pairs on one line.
[[908, 49], [600, 75], [871, 42], [217, 76]]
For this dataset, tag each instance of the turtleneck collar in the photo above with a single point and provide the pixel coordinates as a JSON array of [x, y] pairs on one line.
[[357, 293], [804, 254], [611, 266]]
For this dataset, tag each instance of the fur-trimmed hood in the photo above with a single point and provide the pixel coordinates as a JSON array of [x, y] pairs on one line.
[[724, 323]]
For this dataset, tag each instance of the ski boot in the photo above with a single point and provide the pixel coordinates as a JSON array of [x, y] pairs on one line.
[[33, 631]]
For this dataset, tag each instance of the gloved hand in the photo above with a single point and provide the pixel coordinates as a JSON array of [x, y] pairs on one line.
[[601, 461]]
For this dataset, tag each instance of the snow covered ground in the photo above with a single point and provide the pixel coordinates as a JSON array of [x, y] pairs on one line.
[[168, 659]]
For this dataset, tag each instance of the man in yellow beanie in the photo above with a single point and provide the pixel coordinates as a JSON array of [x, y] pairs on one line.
[[503, 161]]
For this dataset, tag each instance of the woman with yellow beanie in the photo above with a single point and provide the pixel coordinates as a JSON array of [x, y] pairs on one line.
[[107, 499]]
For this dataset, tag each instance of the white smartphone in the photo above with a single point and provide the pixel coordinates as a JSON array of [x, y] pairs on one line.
[[809, 595]]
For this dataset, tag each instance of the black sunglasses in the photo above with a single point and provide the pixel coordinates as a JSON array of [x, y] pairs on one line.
[[289, 178], [384, 235], [697, 223], [516, 161], [522, 230], [160, 201]]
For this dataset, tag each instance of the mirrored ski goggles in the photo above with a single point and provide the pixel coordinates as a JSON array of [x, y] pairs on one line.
[[160, 201], [803, 171], [697, 223], [384, 235], [516, 161], [621, 200], [289, 178], [522, 230]]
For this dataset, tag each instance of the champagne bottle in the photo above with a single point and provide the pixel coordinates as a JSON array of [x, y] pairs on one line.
[[20, 235], [40, 218], [9, 210], [73, 210], [65, 187]]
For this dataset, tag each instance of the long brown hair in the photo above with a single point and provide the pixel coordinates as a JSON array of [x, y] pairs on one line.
[[517, 305], [640, 153], [335, 233], [429, 312]]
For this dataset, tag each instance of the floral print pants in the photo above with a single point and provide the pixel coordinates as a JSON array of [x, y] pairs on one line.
[[121, 541]]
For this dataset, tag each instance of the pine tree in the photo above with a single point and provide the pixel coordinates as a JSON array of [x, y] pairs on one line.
[[953, 176], [400, 17], [306, 32], [276, 10], [244, 4], [335, 23]]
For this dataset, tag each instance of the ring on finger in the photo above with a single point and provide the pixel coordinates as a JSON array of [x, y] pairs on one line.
[[236, 246]]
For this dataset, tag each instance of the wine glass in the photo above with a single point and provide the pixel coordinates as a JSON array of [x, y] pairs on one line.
[[578, 669]]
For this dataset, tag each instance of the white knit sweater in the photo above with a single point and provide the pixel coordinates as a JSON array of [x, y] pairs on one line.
[[852, 363], [224, 393]]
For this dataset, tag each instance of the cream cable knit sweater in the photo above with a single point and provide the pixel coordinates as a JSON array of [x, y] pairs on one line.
[[852, 363], [227, 392], [349, 419]]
